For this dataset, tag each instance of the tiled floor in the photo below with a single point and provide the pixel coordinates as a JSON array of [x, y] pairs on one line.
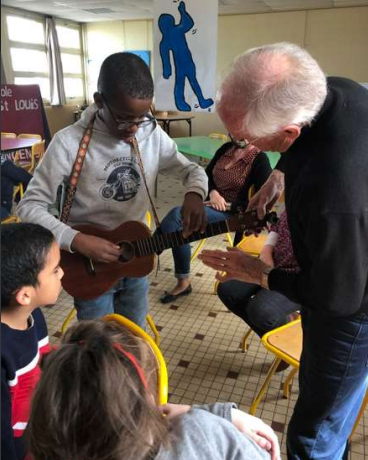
[[200, 343]]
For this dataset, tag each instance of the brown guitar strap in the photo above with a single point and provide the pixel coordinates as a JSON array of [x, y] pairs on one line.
[[77, 168], [140, 163]]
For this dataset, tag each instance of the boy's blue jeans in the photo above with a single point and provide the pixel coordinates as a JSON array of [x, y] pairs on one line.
[[129, 298], [173, 222], [333, 379]]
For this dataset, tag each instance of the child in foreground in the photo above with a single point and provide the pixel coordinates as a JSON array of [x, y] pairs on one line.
[[99, 390], [30, 278]]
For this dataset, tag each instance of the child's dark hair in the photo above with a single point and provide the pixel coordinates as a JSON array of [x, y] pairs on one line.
[[126, 72], [91, 403], [24, 248]]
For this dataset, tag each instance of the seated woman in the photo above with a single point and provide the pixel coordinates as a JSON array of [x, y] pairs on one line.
[[261, 309], [231, 173]]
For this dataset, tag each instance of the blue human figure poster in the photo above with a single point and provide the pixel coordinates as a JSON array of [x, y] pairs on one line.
[[185, 55]]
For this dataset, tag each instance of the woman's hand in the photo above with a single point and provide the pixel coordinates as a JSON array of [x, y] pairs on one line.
[[269, 193], [260, 432], [217, 201], [266, 255], [96, 248]]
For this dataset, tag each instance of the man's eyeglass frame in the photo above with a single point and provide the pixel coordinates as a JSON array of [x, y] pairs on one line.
[[123, 125]]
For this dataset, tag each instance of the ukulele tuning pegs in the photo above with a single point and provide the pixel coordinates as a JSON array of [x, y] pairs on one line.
[[272, 218]]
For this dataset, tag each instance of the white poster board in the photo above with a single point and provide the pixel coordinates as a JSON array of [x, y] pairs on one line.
[[185, 52]]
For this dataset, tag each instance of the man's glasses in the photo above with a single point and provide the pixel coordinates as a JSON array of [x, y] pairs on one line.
[[123, 125], [239, 143]]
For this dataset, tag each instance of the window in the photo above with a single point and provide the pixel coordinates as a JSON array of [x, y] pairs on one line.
[[71, 56], [27, 54]]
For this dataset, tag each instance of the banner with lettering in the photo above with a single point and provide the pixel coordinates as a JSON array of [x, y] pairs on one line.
[[22, 112], [21, 109], [185, 53]]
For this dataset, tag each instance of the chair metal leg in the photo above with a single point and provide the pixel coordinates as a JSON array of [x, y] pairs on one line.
[[289, 381], [262, 391], [198, 248], [244, 344], [229, 239], [154, 329], [65, 325], [360, 414]]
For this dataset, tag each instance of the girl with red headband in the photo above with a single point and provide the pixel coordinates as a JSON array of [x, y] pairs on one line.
[[96, 400]]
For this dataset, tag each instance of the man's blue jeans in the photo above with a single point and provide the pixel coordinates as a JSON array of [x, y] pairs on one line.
[[129, 298], [173, 222], [333, 379]]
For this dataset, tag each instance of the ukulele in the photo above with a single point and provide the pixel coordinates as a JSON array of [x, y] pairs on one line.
[[86, 279]]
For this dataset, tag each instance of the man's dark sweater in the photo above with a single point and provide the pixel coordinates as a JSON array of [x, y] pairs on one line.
[[326, 196]]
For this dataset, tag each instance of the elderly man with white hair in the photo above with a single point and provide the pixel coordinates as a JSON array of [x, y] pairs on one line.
[[277, 98]]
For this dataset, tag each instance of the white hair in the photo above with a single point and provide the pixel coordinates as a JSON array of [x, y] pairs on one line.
[[272, 86]]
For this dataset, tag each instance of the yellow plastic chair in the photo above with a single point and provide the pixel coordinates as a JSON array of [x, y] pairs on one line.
[[10, 220], [221, 136], [37, 153], [9, 135], [29, 136], [162, 376], [149, 320], [286, 343]]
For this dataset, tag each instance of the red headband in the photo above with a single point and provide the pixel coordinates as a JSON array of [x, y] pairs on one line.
[[132, 359]]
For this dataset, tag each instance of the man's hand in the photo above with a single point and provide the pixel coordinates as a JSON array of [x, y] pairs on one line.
[[269, 193], [254, 428], [174, 410], [237, 264], [96, 248], [194, 217], [217, 201]]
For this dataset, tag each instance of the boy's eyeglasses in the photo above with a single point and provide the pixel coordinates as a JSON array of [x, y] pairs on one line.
[[123, 125]]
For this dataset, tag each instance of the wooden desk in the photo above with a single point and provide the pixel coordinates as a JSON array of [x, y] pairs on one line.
[[167, 119], [9, 145], [206, 147]]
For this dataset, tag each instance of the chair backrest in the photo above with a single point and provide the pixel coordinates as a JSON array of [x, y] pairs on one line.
[[36, 155], [223, 137], [28, 136], [162, 376], [9, 135]]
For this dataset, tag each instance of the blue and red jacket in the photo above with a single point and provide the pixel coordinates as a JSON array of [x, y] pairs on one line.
[[20, 372]]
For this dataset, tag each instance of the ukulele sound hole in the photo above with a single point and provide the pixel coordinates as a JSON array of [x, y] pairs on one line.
[[127, 251]]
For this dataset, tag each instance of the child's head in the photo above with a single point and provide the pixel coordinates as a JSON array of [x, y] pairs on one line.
[[30, 270], [92, 402], [125, 93]]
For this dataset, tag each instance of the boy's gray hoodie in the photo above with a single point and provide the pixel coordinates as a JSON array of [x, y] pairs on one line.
[[110, 189]]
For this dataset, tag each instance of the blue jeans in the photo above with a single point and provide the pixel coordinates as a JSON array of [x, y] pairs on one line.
[[173, 222], [333, 379], [261, 309], [129, 298]]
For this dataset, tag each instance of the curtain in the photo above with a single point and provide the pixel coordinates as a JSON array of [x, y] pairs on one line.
[[3, 74], [57, 91]]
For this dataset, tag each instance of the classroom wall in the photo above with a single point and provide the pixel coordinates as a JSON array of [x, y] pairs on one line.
[[337, 38]]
